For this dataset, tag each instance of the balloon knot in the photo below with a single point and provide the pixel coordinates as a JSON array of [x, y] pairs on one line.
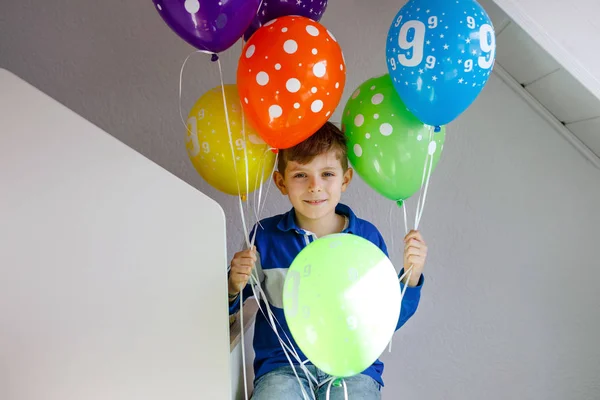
[[243, 197], [437, 129], [275, 151], [400, 203], [214, 57]]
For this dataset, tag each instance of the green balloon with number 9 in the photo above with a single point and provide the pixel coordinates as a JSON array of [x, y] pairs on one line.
[[387, 145], [341, 300]]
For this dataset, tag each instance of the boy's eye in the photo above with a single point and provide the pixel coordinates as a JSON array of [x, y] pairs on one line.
[[328, 174], [300, 175]]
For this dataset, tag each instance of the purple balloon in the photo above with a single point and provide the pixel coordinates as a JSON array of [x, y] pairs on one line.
[[211, 25], [271, 9]]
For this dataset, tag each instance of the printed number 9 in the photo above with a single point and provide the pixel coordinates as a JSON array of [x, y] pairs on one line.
[[430, 62], [416, 43], [294, 280], [192, 136], [468, 65], [487, 42], [433, 22], [240, 144], [471, 22], [398, 21]]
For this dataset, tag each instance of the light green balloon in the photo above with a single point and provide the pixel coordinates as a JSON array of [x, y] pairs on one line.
[[387, 144], [341, 299]]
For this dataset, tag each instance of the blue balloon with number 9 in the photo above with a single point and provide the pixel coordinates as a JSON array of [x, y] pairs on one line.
[[440, 55]]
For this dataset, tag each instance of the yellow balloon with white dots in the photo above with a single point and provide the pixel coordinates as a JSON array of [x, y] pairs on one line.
[[209, 149]]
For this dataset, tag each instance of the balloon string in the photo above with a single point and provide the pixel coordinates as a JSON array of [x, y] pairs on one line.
[[244, 136], [181, 85], [241, 205], [423, 179], [272, 320], [427, 169], [243, 346], [405, 218], [426, 177], [327, 394]]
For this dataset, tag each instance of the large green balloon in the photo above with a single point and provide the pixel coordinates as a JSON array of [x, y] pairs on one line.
[[341, 299], [387, 145]]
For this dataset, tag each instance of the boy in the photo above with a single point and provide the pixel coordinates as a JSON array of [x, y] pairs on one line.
[[313, 174]]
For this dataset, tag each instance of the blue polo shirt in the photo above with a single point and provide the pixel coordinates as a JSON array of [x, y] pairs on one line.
[[278, 241]]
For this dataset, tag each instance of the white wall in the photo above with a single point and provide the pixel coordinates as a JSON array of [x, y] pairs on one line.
[[511, 219]]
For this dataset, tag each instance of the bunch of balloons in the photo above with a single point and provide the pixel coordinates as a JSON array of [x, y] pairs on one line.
[[341, 295]]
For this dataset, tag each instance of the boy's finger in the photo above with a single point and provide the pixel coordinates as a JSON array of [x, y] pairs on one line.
[[243, 274], [415, 242], [416, 260], [242, 267], [413, 235]]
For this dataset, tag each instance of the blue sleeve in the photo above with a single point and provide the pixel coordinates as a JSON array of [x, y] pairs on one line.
[[410, 302], [235, 306], [412, 296]]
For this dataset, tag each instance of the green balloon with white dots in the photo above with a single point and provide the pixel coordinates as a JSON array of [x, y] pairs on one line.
[[387, 145]]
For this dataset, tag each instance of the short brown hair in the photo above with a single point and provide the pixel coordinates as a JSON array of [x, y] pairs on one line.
[[326, 139]]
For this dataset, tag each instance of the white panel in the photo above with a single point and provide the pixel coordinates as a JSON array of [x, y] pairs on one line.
[[112, 270], [567, 30], [565, 97], [589, 133], [523, 58]]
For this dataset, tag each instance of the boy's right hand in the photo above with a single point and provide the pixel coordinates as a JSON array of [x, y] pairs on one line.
[[241, 268]]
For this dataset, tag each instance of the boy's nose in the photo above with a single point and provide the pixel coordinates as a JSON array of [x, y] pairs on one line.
[[314, 185]]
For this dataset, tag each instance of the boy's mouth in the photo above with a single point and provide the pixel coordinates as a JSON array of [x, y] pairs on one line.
[[315, 202]]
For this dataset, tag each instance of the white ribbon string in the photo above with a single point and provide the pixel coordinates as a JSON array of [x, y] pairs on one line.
[[329, 389], [425, 179], [288, 351], [405, 219], [427, 167], [181, 85], [273, 322], [243, 346], [244, 136], [240, 202]]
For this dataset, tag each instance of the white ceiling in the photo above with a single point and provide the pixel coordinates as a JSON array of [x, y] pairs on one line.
[[547, 80]]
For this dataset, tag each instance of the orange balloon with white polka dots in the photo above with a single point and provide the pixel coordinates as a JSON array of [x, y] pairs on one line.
[[290, 78]]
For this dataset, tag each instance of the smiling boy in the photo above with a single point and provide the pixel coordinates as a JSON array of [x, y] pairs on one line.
[[313, 175]]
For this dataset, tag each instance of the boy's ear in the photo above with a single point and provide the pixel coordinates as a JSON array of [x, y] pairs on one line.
[[347, 178], [280, 182]]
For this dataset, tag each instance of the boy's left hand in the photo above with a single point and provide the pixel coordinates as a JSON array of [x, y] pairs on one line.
[[415, 254]]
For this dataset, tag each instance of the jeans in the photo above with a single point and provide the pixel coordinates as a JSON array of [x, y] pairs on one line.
[[281, 384]]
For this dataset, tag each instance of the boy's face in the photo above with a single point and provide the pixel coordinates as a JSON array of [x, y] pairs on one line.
[[314, 189]]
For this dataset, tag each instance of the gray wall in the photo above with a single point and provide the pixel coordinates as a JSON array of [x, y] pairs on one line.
[[508, 310]]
